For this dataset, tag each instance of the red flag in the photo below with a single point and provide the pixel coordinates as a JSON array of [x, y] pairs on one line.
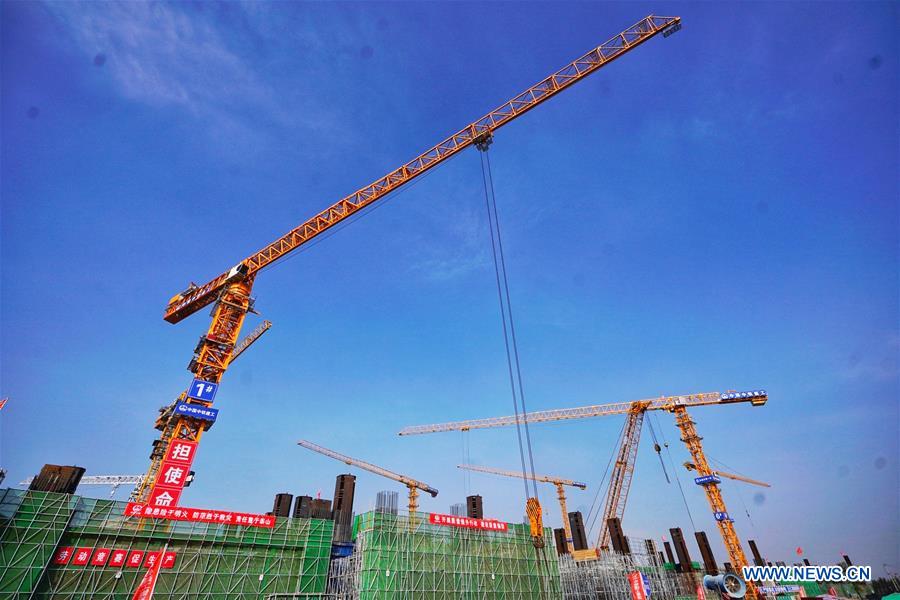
[[3, 403], [145, 589]]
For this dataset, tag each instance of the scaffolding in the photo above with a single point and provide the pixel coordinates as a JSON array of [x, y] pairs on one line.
[[213, 561], [405, 559], [606, 577]]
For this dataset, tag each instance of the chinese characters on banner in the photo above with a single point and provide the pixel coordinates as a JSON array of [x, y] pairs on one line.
[[636, 583], [201, 515], [172, 474], [467, 522], [147, 585], [110, 557]]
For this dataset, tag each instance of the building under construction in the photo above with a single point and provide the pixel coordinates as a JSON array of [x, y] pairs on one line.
[[62, 546], [398, 556]]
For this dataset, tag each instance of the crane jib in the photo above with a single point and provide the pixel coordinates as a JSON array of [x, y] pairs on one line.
[[197, 297]]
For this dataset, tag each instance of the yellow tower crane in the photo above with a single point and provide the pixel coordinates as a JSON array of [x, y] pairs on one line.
[[413, 485], [677, 405], [559, 482], [230, 292]]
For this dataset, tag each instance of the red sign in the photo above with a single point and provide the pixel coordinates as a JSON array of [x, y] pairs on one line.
[[134, 558], [101, 555], [181, 451], [636, 583], [151, 558], [467, 522], [173, 474], [81, 556], [107, 557], [164, 497], [63, 555], [200, 515], [701, 593], [117, 558]]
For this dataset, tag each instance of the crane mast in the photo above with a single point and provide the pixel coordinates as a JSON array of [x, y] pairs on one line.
[[413, 485], [559, 482], [623, 470], [231, 291], [713, 495]]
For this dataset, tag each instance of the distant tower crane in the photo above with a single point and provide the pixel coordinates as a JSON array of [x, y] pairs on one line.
[[559, 482], [230, 292], [111, 480], [413, 485], [678, 406]]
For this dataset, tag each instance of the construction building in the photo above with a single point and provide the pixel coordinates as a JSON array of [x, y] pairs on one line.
[[64, 547], [403, 558]]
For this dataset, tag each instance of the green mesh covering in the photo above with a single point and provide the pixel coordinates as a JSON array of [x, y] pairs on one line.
[[213, 561], [398, 559]]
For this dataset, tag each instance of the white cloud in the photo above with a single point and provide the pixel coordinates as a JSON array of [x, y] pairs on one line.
[[163, 56]]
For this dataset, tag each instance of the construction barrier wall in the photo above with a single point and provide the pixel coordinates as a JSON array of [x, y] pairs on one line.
[[401, 558], [212, 561]]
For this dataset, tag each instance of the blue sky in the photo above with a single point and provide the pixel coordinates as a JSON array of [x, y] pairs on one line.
[[717, 210]]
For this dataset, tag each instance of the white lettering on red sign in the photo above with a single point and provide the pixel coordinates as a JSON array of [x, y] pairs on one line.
[[63, 555], [178, 513], [636, 583], [134, 558], [467, 522], [164, 497], [172, 474], [101, 555], [81, 556], [117, 559], [181, 451]]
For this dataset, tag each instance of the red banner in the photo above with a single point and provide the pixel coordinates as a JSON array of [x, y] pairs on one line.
[[467, 522], [636, 583], [145, 589], [701, 593], [202, 515], [173, 473]]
